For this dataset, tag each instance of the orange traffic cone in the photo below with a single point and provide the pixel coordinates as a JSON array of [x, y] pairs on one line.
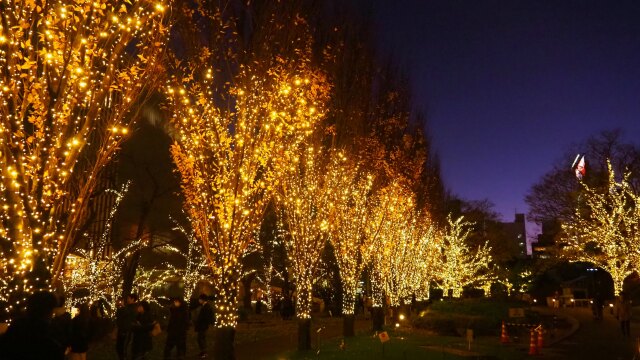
[[532, 344], [504, 337], [540, 338]]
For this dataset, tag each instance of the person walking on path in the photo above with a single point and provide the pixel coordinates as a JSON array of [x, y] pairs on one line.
[[30, 337], [141, 330], [125, 317], [623, 314], [80, 333], [177, 329], [203, 321]]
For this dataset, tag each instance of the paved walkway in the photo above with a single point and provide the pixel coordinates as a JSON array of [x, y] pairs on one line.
[[594, 340]]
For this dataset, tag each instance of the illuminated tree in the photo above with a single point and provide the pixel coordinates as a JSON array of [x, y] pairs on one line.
[[148, 280], [408, 259], [605, 230], [69, 75], [228, 153], [196, 266], [422, 235], [90, 269], [459, 265], [555, 195], [273, 258], [352, 249], [391, 208], [305, 202]]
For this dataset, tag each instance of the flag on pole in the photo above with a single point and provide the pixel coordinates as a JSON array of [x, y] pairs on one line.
[[579, 167]]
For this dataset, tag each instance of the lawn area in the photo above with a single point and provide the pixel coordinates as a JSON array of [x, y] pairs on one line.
[[484, 316], [405, 344]]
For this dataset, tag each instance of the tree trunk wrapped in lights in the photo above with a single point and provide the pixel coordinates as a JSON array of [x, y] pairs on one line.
[[305, 202], [352, 246], [459, 265], [408, 259], [605, 230], [420, 271], [69, 75], [229, 156], [377, 301], [391, 207]]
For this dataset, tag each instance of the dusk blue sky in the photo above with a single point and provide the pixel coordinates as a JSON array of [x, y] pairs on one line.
[[508, 85]]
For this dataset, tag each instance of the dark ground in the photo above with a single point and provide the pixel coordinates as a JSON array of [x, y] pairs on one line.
[[595, 340]]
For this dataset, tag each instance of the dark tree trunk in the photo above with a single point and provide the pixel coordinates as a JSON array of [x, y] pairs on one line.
[[286, 287], [377, 318], [395, 310], [223, 348], [349, 325], [304, 334], [131, 267], [129, 273]]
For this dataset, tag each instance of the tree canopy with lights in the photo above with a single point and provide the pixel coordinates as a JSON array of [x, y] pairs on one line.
[[605, 229], [393, 209], [305, 203], [460, 265], [69, 75], [349, 221], [228, 152]]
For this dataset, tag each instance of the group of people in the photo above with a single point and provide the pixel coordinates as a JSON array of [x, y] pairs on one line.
[[136, 327], [47, 331], [35, 335], [285, 306]]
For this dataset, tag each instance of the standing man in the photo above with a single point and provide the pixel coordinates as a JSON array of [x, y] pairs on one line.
[[177, 329], [125, 317], [203, 321], [623, 313]]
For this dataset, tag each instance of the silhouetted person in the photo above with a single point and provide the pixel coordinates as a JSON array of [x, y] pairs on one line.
[[277, 306], [80, 333], [623, 313], [259, 306], [598, 304], [203, 321], [287, 307], [141, 330], [125, 316], [30, 337], [177, 329], [61, 327]]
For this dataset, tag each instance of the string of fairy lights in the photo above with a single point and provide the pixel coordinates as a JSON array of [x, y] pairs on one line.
[[69, 77], [605, 229]]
